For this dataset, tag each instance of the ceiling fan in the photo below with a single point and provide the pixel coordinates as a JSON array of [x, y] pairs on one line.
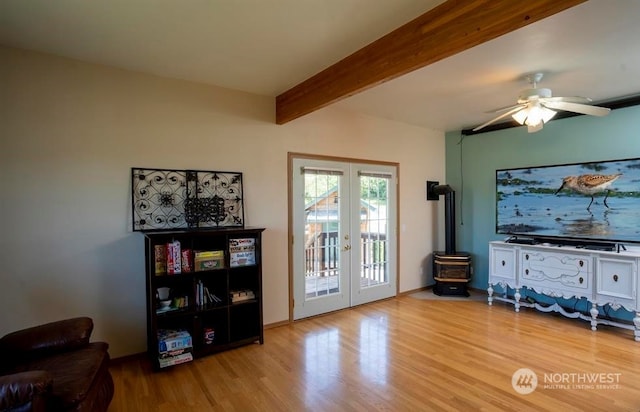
[[536, 106]]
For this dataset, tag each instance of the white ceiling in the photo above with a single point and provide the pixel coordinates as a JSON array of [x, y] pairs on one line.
[[268, 46]]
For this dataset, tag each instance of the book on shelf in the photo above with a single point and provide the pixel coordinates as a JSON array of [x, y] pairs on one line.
[[242, 252], [174, 347], [204, 296], [186, 257], [170, 340], [171, 260], [174, 353], [210, 254], [160, 257], [164, 334], [208, 260], [174, 258], [175, 360]]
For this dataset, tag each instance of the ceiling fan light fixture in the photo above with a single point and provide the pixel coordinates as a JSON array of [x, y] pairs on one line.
[[534, 115], [547, 114], [521, 116]]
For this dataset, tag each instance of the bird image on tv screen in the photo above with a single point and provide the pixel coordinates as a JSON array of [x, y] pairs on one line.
[[592, 201]]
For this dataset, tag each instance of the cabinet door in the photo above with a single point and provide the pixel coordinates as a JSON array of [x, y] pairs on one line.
[[616, 280], [503, 263]]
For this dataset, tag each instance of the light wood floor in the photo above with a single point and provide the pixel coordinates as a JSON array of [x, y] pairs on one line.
[[398, 355]]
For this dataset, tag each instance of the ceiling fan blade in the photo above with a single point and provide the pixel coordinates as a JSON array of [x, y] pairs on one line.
[[502, 116], [571, 99], [578, 108], [502, 109]]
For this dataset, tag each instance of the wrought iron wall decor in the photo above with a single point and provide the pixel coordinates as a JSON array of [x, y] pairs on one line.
[[178, 199]]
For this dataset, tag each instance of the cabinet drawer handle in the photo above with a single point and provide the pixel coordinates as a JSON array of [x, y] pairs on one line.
[[526, 256], [526, 271], [581, 280], [503, 263], [581, 263], [615, 278]]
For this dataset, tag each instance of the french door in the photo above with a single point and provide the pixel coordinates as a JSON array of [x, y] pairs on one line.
[[344, 234]]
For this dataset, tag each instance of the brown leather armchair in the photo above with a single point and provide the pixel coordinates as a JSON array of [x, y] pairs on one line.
[[54, 367]]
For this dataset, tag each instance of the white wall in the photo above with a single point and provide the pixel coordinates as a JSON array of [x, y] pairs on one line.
[[70, 133]]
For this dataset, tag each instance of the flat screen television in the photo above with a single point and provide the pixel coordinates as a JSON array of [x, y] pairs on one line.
[[588, 202]]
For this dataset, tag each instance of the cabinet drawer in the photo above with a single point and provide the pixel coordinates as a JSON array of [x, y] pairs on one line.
[[503, 263], [556, 270], [616, 278]]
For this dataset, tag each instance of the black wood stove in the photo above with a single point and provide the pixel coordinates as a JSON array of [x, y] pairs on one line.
[[451, 269], [452, 273]]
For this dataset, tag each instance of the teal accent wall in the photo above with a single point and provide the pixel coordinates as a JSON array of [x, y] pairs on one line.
[[471, 163]]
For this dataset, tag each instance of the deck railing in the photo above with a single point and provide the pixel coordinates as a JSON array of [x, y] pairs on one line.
[[322, 255]]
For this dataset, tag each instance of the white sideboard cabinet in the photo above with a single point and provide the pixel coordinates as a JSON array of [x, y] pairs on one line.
[[601, 277]]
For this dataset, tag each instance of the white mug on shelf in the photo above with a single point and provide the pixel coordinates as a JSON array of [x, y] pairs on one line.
[[163, 293]]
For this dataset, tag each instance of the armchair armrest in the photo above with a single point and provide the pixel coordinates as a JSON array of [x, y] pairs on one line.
[[25, 390], [48, 338]]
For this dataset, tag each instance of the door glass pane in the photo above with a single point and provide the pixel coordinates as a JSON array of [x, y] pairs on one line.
[[322, 242], [374, 219]]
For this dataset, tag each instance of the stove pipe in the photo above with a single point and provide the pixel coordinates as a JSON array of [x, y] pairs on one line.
[[449, 216]]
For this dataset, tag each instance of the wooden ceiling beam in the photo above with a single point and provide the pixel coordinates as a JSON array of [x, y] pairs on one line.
[[448, 29]]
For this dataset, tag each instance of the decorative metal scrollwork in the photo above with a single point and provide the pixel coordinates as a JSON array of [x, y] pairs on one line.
[[178, 199]]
